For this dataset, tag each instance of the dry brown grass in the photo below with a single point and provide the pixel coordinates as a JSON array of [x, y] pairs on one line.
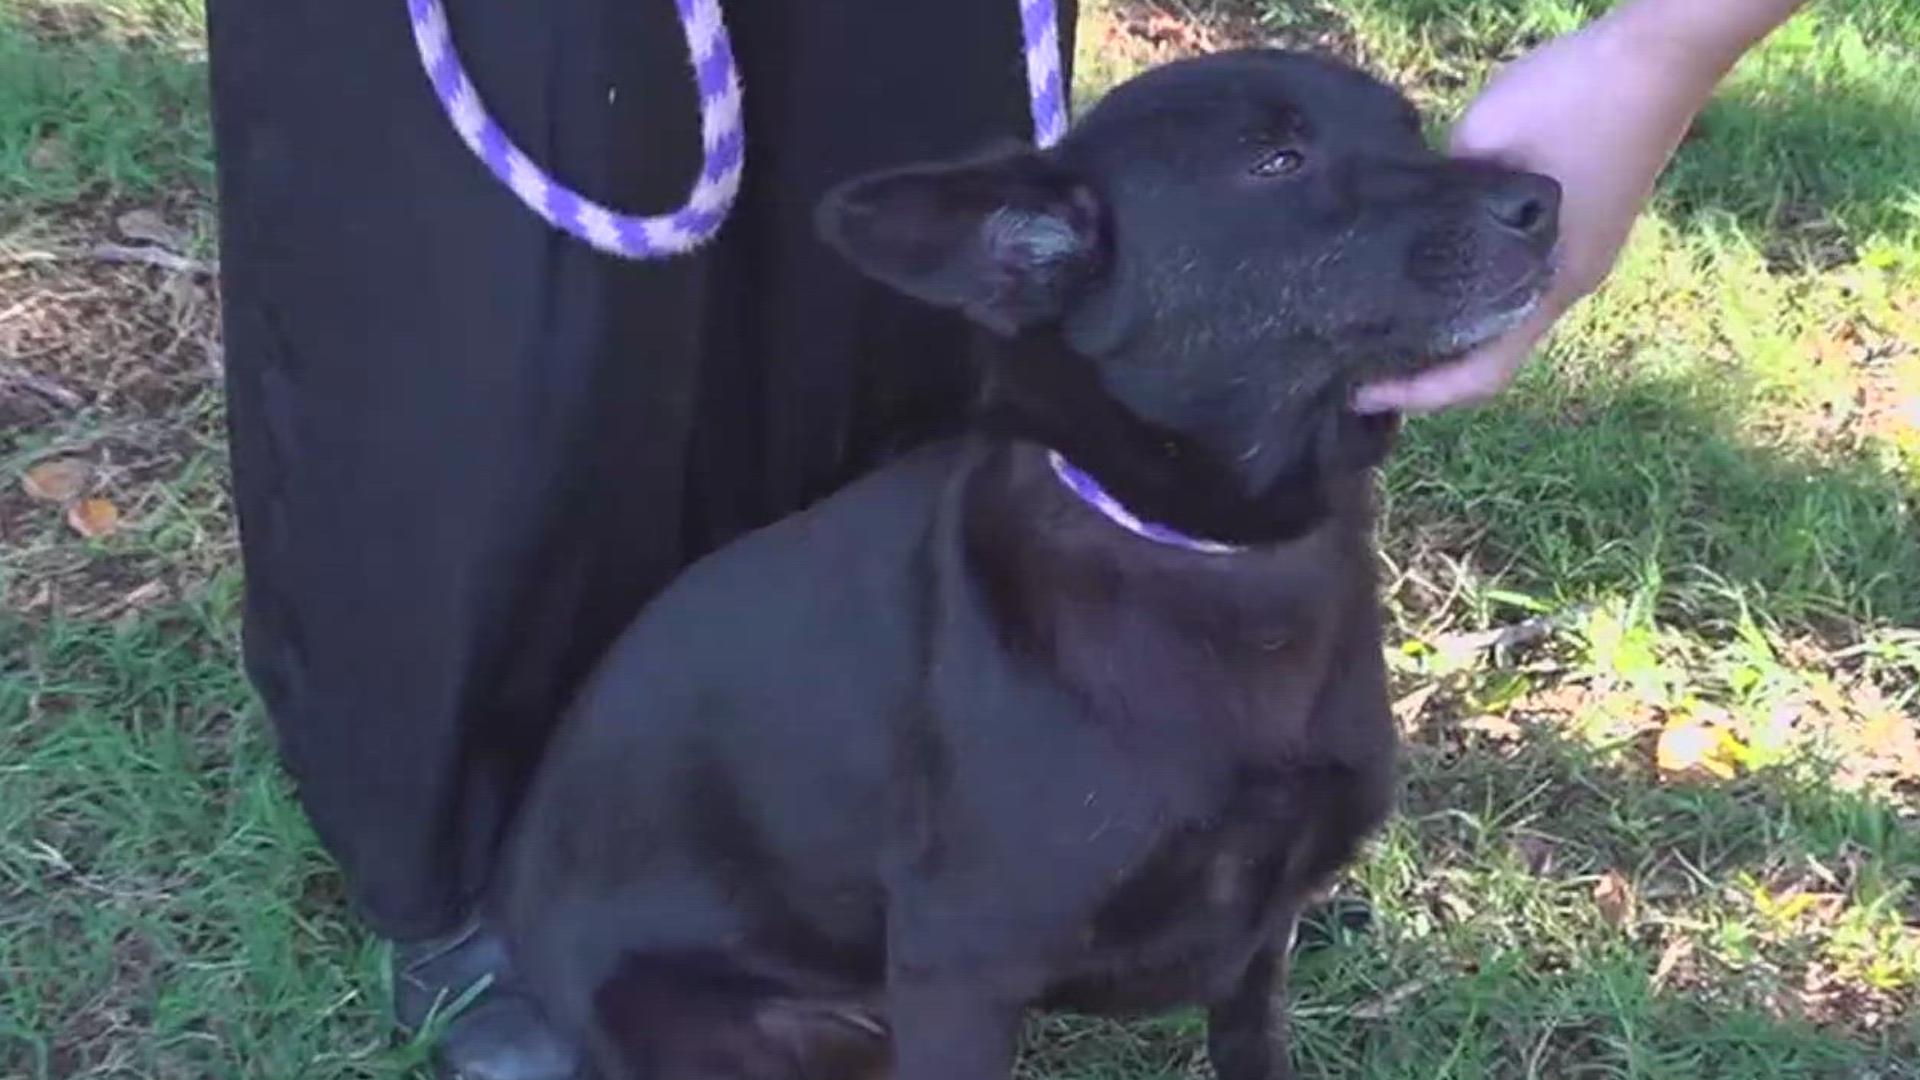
[[113, 367]]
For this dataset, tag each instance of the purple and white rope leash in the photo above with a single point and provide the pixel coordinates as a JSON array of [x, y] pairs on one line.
[[661, 236], [1046, 89]]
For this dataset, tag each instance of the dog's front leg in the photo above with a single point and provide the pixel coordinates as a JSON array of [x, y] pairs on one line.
[[1247, 1032], [947, 1028]]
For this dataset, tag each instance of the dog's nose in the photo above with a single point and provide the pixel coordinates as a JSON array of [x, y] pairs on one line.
[[1526, 204]]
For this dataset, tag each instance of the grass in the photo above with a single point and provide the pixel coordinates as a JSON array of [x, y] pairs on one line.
[[171, 886], [99, 100], [1692, 519]]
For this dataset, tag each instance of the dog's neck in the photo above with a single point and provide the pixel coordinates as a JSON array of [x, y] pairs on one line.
[[1039, 390], [1088, 490]]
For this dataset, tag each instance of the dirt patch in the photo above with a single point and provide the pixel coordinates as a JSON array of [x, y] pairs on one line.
[[1147, 32], [53, 20], [91, 319], [1121, 38], [108, 1034], [1163, 30], [81, 22], [110, 362]]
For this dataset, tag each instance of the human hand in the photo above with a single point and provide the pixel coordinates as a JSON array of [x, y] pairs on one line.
[[1601, 111]]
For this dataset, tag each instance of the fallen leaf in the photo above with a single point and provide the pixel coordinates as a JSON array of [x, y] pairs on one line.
[[1613, 895], [1793, 907], [1677, 950], [57, 479], [1408, 709], [1689, 747], [1498, 728], [149, 226], [94, 518]]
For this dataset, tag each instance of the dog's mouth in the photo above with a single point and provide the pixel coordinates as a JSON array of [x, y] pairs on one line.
[[1488, 321], [1484, 318]]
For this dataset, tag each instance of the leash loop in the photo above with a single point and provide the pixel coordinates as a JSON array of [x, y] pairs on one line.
[[628, 236], [722, 134], [1046, 90]]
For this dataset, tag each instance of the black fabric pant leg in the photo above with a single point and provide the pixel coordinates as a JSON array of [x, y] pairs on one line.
[[466, 449]]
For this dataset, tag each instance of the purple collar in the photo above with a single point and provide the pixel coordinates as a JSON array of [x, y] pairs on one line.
[[1089, 491]]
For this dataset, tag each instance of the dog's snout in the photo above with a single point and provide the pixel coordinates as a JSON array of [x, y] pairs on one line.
[[1526, 204]]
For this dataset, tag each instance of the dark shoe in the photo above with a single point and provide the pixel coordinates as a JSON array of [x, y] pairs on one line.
[[490, 1029]]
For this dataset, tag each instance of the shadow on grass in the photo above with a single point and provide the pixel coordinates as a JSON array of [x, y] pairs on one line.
[[1645, 485], [1566, 907], [1496, 955], [1811, 160], [163, 909], [1551, 904], [163, 906]]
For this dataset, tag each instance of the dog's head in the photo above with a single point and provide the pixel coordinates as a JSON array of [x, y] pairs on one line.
[[1231, 242]]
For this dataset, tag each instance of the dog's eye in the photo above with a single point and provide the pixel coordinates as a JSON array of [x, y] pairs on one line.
[[1279, 163]]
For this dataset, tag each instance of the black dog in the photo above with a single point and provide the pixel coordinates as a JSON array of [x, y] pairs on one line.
[[862, 787]]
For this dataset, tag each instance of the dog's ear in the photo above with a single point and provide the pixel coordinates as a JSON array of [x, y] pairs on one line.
[[1005, 240]]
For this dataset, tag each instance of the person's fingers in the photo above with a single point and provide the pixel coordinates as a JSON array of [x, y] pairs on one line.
[[1476, 377], [1459, 383]]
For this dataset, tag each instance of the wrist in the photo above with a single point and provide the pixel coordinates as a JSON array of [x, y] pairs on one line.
[[1699, 40]]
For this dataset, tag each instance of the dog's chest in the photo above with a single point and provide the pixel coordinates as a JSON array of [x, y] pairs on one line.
[[1180, 924]]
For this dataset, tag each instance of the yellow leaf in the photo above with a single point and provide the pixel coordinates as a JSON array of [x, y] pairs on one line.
[[1794, 906], [93, 518], [1689, 747], [56, 479]]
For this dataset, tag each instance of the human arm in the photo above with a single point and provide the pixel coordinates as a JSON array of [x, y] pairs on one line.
[[1601, 110]]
